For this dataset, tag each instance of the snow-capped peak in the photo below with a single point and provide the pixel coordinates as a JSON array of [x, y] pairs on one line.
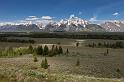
[[114, 26], [73, 20]]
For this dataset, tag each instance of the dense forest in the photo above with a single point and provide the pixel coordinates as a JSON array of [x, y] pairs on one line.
[[3, 39], [118, 44], [77, 35]]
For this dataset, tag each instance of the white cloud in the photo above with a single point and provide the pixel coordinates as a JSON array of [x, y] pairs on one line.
[[34, 19], [47, 17], [31, 18], [115, 14]]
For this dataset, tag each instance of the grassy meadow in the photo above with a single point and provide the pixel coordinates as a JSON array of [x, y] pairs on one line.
[[94, 65]]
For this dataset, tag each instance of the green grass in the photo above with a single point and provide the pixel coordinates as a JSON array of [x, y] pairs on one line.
[[14, 52]]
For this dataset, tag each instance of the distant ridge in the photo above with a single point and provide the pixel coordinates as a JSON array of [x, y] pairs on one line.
[[72, 24]]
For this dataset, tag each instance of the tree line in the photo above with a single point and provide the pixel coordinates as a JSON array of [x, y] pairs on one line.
[[118, 44], [45, 51], [39, 50], [2, 39], [74, 35]]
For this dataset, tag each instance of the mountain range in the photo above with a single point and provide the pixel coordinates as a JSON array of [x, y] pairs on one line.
[[72, 24]]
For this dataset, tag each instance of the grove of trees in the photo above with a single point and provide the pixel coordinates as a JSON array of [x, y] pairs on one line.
[[3, 39], [45, 51], [118, 44], [39, 50]]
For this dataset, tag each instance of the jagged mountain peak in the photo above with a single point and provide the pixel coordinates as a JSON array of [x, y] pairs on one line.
[[70, 24], [114, 26], [73, 20]]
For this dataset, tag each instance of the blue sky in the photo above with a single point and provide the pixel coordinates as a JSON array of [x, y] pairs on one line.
[[12, 10]]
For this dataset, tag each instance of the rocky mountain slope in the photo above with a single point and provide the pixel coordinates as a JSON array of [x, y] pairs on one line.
[[114, 26], [72, 24]]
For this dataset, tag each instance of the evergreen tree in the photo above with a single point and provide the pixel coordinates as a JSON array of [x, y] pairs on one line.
[[107, 52], [30, 49], [77, 44], [58, 43], [60, 50], [56, 51], [35, 59], [67, 51], [53, 46], [78, 62], [99, 44], [46, 50], [39, 50], [44, 64], [118, 70], [94, 45]]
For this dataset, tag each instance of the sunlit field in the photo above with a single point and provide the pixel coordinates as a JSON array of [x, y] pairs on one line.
[[93, 64]]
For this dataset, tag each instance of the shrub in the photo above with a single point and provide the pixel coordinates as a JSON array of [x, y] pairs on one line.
[[20, 54], [30, 48], [35, 59], [118, 70], [44, 64], [78, 62]]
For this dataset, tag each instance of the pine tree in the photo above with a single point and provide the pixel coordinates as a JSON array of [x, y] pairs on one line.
[[107, 52], [99, 44], [46, 50], [78, 62], [94, 45], [53, 51], [39, 50], [53, 46], [44, 64], [56, 51], [77, 44], [60, 50], [35, 59], [67, 51], [30, 49]]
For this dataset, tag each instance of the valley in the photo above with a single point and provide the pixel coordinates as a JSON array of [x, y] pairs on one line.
[[94, 66]]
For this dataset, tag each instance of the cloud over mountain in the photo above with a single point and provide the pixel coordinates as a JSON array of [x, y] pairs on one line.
[[47, 17], [31, 18], [70, 24]]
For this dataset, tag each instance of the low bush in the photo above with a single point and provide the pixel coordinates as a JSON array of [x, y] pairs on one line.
[[44, 64]]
